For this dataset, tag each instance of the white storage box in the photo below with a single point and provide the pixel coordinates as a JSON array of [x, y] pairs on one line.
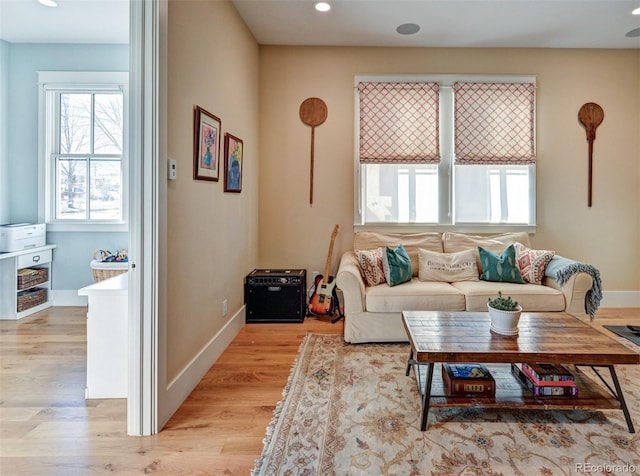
[[22, 236]]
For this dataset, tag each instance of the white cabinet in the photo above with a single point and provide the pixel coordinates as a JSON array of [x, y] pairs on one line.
[[107, 337], [23, 292]]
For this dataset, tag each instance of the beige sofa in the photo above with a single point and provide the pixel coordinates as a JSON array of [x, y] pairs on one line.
[[373, 313]]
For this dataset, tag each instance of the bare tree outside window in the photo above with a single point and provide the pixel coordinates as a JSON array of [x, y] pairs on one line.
[[108, 124], [88, 164]]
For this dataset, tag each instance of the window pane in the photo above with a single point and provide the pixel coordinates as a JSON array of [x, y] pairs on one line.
[[427, 196], [108, 124], [403, 200], [106, 185], [518, 196], [492, 194], [400, 193], [75, 123], [71, 186], [378, 193]]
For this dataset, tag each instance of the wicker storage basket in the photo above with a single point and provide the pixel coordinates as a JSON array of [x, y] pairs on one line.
[[29, 277], [30, 298], [102, 271]]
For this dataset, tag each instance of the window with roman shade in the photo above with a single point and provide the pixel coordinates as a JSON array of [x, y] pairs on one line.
[[399, 123], [494, 123], [416, 137]]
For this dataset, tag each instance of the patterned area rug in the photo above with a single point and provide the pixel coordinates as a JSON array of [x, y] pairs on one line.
[[350, 410]]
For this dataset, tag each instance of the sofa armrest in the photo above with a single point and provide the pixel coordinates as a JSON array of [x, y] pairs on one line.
[[350, 282], [575, 293]]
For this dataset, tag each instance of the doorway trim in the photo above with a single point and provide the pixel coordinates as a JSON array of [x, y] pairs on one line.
[[147, 206]]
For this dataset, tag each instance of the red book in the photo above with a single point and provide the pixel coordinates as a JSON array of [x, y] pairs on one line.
[[549, 372], [545, 383]]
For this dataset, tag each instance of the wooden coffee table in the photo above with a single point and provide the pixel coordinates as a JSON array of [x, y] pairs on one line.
[[553, 337]]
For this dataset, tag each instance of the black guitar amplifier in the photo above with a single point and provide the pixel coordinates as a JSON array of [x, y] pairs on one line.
[[276, 295]]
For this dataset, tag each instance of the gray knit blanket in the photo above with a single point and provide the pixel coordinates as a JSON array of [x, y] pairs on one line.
[[561, 269]]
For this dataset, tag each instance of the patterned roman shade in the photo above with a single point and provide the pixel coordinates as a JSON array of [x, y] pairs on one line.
[[399, 122], [494, 123]]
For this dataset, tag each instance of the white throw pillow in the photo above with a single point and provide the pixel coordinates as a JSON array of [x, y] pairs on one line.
[[448, 267]]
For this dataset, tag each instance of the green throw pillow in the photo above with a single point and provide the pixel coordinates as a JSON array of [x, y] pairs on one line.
[[503, 268], [397, 265]]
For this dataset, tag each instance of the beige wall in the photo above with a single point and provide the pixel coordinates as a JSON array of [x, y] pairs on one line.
[[294, 234], [215, 238], [212, 235]]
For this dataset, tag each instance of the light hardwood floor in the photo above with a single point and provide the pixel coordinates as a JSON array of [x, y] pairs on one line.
[[48, 428]]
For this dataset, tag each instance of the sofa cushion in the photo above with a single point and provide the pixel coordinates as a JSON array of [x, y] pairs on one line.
[[396, 265], [412, 242], [532, 263], [452, 242], [415, 295], [502, 268], [531, 297], [370, 262], [448, 267]]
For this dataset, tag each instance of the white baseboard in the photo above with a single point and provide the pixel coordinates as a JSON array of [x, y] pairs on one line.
[[181, 386], [620, 299], [63, 297]]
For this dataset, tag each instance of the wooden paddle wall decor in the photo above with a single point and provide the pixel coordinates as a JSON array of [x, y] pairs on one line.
[[590, 116], [313, 112]]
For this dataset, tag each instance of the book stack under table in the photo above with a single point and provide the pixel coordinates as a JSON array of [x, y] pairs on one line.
[[476, 380], [468, 379], [546, 379]]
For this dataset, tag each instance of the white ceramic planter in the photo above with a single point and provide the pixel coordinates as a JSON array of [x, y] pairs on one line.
[[504, 322]]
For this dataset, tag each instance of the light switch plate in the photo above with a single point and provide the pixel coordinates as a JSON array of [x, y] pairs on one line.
[[172, 169]]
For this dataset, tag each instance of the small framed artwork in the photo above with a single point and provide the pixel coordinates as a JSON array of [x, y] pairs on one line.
[[232, 164], [206, 145]]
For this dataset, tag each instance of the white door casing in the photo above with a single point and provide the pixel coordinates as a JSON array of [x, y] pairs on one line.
[[148, 33]]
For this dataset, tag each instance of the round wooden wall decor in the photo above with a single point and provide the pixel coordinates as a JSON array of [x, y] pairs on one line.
[[313, 112], [590, 116]]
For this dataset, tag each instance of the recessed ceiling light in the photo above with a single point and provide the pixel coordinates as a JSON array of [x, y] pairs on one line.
[[636, 11], [322, 6], [633, 33], [408, 29], [48, 3]]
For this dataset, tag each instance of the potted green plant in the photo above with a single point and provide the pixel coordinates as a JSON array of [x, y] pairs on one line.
[[505, 314]]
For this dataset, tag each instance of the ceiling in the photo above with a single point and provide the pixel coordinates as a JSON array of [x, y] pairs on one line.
[[443, 23], [72, 21], [448, 23]]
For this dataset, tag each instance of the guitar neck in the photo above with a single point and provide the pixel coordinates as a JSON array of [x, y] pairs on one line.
[[327, 266]]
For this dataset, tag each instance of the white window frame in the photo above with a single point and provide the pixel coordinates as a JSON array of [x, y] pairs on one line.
[[445, 167], [72, 81]]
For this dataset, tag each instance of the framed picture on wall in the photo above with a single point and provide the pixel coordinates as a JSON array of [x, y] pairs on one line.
[[206, 145], [232, 163]]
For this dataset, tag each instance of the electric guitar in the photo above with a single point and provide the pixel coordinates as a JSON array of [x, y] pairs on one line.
[[324, 299]]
